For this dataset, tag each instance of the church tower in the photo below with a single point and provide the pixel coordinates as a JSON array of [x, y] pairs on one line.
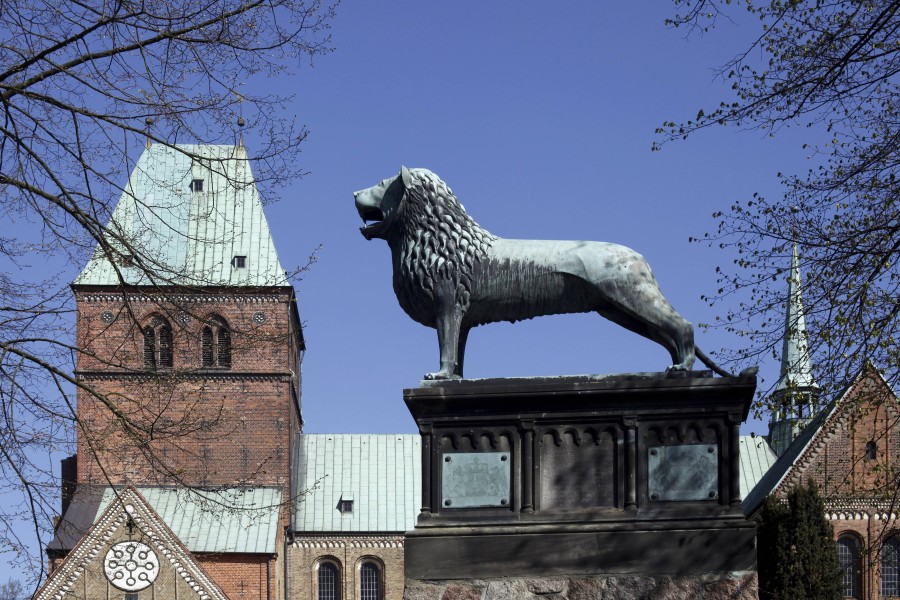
[[190, 332], [796, 397], [189, 370]]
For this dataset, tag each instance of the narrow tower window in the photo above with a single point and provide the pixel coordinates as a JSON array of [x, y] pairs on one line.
[[197, 185], [223, 347], [215, 342], [239, 262], [206, 341], [157, 344], [164, 334], [870, 450]]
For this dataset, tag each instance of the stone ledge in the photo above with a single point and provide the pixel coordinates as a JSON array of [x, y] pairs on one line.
[[675, 552]]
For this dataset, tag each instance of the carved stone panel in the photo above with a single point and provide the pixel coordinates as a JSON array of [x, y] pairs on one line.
[[579, 469]]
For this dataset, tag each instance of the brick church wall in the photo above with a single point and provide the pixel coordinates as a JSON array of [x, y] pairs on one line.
[[214, 431], [195, 425], [241, 575], [117, 345], [870, 527], [859, 490], [348, 553], [208, 426], [841, 466]]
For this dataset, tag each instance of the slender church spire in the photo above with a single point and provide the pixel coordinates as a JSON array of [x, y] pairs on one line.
[[796, 364], [795, 399]]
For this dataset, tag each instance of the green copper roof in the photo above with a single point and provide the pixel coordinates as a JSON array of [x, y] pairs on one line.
[[185, 236], [240, 520], [756, 459], [380, 474]]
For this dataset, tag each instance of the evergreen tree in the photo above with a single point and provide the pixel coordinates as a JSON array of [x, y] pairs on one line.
[[796, 552]]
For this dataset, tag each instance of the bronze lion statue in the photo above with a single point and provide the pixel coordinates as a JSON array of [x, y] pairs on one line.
[[453, 275]]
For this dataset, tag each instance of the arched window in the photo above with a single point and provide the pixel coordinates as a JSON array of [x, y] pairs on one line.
[[215, 341], [157, 344], [890, 567], [848, 557], [370, 581], [328, 581]]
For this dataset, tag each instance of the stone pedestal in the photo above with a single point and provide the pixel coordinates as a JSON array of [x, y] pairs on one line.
[[581, 483]]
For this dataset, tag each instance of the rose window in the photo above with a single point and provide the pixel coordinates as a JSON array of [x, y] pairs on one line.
[[131, 566]]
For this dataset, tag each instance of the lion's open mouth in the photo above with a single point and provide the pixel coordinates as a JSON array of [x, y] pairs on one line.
[[371, 214], [374, 220]]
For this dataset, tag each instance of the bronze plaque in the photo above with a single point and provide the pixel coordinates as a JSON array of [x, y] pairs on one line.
[[470, 479], [686, 472]]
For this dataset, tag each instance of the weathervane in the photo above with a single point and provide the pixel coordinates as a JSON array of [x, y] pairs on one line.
[[148, 122]]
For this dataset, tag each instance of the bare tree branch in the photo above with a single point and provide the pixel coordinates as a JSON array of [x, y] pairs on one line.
[[83, 86]]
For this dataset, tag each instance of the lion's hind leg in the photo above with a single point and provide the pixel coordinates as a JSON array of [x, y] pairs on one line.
[[665, 327], [683, 333]]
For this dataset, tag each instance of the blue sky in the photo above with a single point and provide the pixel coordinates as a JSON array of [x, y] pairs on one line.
[[541, 118]]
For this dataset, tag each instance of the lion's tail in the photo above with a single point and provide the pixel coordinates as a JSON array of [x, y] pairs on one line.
[[709, 363]]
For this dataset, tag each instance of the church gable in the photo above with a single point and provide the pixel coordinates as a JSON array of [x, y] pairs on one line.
[[129, 553], [855, 449]]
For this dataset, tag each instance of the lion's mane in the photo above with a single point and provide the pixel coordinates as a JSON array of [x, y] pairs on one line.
[[439, 240]]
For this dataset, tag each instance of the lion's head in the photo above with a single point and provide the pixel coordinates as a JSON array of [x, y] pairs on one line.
[[417, 213], [379, 204]]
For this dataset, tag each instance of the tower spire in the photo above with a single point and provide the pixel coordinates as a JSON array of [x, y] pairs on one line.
[[795, 399], [796, 364]]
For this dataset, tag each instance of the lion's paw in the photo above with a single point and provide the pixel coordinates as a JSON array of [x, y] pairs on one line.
[[440, 376]]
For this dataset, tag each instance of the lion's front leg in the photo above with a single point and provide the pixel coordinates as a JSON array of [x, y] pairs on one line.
[[448, 319]]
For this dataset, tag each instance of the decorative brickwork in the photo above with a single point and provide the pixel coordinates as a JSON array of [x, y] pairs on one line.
[[837, 457]]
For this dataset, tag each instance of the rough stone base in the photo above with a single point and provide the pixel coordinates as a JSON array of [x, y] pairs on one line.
[[730, 586]]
